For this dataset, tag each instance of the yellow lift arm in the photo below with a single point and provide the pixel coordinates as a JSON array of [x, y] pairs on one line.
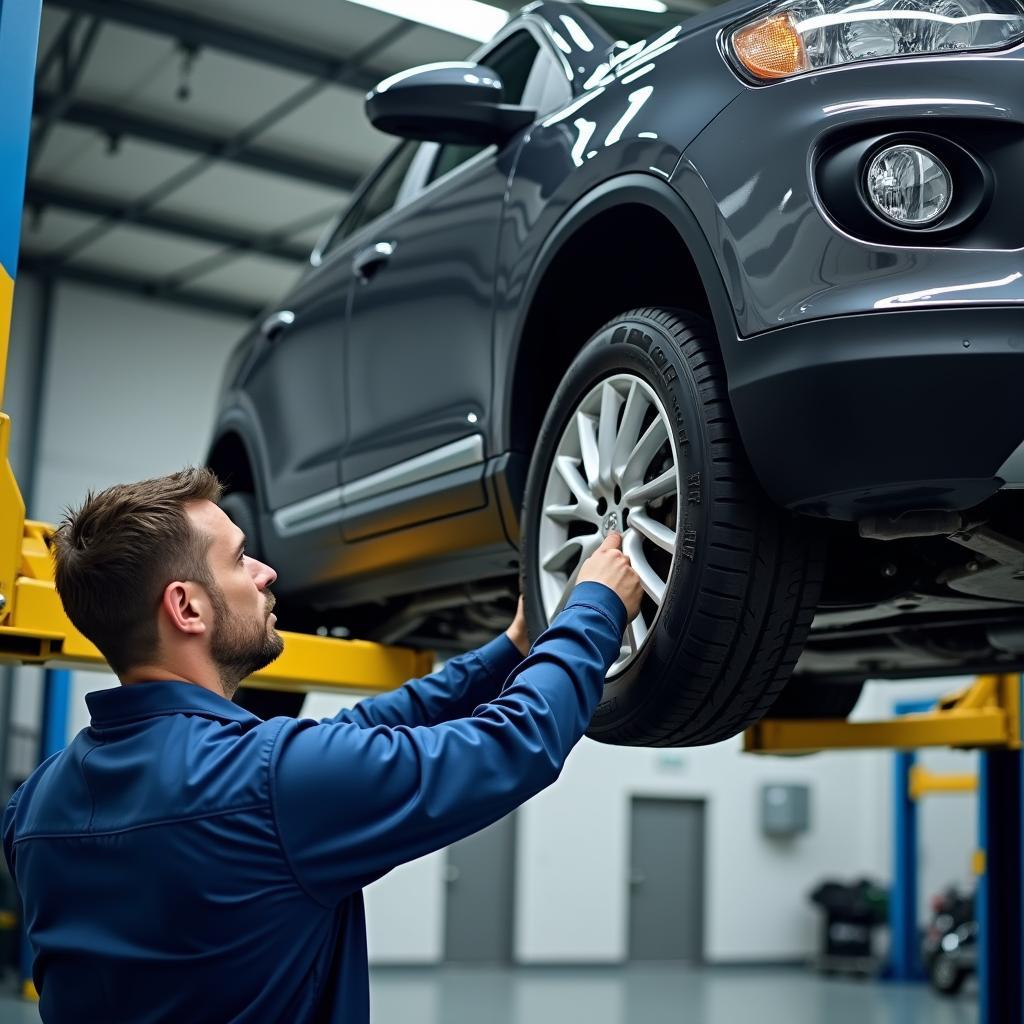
[[986, 714], [35, 630]]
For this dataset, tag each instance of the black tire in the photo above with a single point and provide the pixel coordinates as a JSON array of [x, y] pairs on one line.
[[745, 576], [240, 507], [806, 697], [946, 976]]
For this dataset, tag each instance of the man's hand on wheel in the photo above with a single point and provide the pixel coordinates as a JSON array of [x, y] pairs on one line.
[[517, 631], [608, 565]]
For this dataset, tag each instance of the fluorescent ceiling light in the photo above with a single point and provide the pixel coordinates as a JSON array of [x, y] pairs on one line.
[[469, 18], [655, 6]]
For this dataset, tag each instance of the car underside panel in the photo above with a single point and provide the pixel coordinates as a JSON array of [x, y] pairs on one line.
[[916, 606]]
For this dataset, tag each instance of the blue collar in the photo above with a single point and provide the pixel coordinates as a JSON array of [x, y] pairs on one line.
[[146, 700]]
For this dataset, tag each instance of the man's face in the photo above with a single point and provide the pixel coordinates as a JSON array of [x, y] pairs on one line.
[[243, 639]]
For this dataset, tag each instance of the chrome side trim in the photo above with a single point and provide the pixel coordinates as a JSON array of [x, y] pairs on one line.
[[1012, 470], [303, 515], [325, 507], [458, 455]]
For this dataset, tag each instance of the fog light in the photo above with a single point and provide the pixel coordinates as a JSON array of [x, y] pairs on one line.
[[909, 186]]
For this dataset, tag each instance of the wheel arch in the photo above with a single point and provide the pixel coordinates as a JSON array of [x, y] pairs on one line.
[[231, 458], [672, 266]]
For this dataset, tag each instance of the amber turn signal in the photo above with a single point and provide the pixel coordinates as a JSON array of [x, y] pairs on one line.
[[771, 48]]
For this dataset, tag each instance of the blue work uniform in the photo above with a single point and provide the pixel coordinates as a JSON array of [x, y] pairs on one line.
[[184, 862]]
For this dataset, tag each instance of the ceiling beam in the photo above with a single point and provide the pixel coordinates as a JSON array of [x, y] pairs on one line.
[[142, 287], [196, 30], [42, 196], [72, 64], [118, 123]]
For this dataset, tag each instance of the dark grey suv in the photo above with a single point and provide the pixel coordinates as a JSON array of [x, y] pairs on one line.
[[745, 288]]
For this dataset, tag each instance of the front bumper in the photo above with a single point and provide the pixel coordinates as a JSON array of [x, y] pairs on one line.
[[883, 412]]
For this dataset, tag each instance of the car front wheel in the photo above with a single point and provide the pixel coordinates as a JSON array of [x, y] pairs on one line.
[[640, 439]]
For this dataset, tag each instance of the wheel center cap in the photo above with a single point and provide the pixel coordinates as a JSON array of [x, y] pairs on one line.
[[610, 524]]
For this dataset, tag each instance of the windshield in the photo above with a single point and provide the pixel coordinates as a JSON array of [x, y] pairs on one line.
[[630, 26]]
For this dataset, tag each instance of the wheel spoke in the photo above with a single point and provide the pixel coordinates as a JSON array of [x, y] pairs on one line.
[[611, 402], [568, 470], [646, 448], [588, 447], [565, 514], [569, 585], [587, 546], [563, 554], [629, 429], [659, 487], [636, 632], [655, 532], [653, 584]]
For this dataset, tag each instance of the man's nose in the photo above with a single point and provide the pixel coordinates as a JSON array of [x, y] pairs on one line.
[[262, 574]]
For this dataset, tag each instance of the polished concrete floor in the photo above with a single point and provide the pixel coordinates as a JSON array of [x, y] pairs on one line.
[[637, 995]]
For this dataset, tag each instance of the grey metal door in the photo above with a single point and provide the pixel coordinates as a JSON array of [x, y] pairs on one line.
[[481, 895], [666, 884]]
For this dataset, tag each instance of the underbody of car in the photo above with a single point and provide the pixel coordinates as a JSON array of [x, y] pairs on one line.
[[659, 300]]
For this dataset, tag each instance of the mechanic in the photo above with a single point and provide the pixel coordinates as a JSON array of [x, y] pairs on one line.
[[183, 860]]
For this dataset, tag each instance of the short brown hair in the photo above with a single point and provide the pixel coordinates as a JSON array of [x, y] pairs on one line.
[[116, 553]]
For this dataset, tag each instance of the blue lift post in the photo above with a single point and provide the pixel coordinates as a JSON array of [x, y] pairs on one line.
[[53, 738], [911, 783], [904, 948]]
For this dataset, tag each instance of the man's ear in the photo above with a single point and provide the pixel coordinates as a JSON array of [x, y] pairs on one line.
[[187, 607]]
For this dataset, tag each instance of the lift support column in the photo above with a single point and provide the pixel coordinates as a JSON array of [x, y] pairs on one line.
[[1000, 901]]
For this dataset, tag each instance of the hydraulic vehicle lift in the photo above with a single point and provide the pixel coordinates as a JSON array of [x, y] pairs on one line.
[[986, 716]]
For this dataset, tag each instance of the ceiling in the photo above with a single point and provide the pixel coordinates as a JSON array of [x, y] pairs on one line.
[[193, 150]]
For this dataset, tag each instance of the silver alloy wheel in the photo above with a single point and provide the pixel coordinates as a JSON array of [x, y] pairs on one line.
[[616, 468]]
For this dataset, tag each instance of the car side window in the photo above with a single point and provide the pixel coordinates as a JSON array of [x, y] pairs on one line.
[[378, 198], [514, 60]]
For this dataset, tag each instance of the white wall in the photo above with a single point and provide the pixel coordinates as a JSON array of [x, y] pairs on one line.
[[575, 850], [130, 392]]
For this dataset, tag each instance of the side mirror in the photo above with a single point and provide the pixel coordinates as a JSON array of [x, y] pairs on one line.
[[451, 102]]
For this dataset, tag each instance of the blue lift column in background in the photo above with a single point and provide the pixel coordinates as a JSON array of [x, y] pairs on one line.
[[53, 738], [1000, 894]]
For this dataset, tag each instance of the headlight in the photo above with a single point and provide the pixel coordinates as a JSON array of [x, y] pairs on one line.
[[807, 35]]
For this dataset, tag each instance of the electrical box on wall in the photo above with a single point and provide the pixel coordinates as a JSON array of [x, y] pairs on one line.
[[785, 809]]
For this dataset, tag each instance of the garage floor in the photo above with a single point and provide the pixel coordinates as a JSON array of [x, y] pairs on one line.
[[637, 995]]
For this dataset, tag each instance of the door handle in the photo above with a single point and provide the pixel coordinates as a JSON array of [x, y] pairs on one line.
[[275, 324], [372, 259]]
